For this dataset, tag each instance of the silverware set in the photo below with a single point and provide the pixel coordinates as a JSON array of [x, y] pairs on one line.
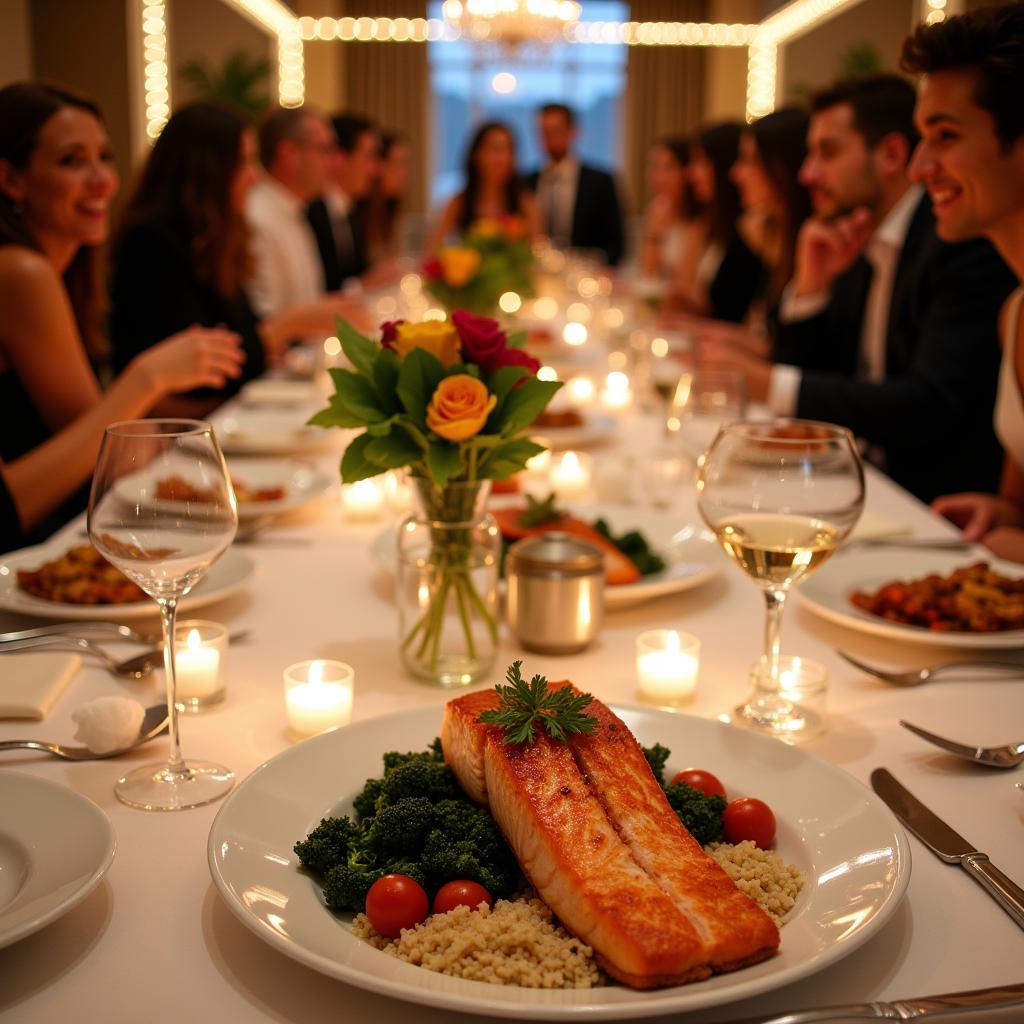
[[154, 723], [915, 677]]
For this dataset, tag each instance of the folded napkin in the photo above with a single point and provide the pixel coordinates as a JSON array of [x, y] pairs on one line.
[[874, 527], [31, 683]]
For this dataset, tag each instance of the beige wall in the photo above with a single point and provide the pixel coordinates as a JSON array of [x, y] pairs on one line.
[[325, 61], [813, 60], [725, 68], [15, 42]]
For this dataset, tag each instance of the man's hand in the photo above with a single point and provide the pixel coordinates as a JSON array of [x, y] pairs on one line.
[[978, 515], [825, 249], [718, 353]]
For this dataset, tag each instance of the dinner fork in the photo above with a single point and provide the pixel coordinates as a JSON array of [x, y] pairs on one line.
[[915, 677], [137, 667], [1009, 755]]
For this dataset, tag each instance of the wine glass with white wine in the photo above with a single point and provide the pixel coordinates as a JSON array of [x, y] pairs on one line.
[[165, 547], [780, 497]]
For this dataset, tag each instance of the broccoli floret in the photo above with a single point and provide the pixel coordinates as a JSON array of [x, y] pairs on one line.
[[657, 756], [327, 845], [392, 759], [700, 814], [419, 777], [346, 885], [460, 819], [399, 829], [445, 859], [366, 803], [435, 749]]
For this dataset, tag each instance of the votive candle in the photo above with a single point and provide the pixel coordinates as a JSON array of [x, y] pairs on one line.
[[318, 696], [667, 665], [363, 500], [200, 648], [570, 475], [617, 393]]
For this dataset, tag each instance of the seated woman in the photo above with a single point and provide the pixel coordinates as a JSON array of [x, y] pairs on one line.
[[671, 217], [56, 181], [380, 215], [181, 255], [493, 188]]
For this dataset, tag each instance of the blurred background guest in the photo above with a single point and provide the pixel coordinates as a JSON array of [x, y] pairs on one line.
[[379, 215], [578, 204], [182, 254], [57, 179], [493, 187], [670, 220]]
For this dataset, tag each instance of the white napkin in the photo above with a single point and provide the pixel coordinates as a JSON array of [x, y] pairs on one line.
[[875, 527], [31, 683]]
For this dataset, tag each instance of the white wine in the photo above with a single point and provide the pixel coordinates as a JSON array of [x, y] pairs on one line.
[[777, 550]]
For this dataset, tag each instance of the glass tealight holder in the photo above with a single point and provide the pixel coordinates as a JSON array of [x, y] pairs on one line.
[[803, 684], [200, 654], [318, 696], [667, 666]]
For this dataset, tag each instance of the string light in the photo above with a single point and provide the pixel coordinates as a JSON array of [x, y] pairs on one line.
[[155, 68], [273, 16]]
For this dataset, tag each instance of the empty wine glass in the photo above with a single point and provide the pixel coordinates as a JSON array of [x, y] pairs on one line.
[[700, 402], [165, 546], [780, 497]]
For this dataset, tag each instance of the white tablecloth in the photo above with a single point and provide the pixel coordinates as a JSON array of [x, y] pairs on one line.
[[155, 942]]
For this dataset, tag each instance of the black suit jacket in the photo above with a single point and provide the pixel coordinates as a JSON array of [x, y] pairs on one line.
[[338, 266], [597, 214], [932, 415]]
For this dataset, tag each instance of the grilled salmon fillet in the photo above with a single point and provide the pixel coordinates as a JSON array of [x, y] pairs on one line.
[[462, 740], [734, 928]]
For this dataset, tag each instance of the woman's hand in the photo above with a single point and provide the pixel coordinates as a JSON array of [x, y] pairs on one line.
[[978, 515], [1005, 542], [194, 358]]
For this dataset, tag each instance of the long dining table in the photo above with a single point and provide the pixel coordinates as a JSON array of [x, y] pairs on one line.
[[156, 942]]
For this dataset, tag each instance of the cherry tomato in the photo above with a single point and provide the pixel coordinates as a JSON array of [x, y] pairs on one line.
[[699, 779], [461, 894], [395, 902], [749, 818]]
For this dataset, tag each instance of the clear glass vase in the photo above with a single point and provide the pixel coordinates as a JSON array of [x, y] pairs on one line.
[[448, 557]]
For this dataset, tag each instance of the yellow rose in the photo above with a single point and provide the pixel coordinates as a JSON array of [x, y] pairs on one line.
[[458, 265], [459, 408], [485, 227], [437, 337]]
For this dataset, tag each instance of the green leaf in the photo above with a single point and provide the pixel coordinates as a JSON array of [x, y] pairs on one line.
[[419, 373], [354, 463], [500, 384], [525, 403], [335, 415], [508, 458], [444, 460], [393, 450], [382, 427], [360, 351], [358, 396], [385, 380], [516, 339]]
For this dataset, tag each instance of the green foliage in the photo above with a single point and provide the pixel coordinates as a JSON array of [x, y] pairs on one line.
[[327, 845], [241, 81], [860, 59], [701, 815], [633, 544], [524, 705], [431, 780], [657, 757]]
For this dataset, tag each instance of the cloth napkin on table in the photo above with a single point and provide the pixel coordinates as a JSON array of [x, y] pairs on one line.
[[31, 683], [875, 527]]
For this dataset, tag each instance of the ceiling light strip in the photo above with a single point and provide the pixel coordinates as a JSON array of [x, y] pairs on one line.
[[155, 66], [278, 20]]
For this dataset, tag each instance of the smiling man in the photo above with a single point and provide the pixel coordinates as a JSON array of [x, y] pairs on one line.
[[971, 159], [885, 328]]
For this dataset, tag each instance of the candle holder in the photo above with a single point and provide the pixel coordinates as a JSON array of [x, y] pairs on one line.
[[362, 501], [802, 685], [667, 665], [318, 696], [200, 653], [570, 474]]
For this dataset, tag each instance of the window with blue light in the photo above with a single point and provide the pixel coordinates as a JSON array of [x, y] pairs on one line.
[[473, 82]]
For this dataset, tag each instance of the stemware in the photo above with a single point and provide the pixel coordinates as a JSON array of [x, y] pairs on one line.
[[165, 547], [780, 498], [701, 401]]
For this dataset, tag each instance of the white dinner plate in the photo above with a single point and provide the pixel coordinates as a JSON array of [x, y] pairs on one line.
[[277, 393], [851, 850], [229, 574], [595, 428], [692, 555], [263, 432], [302, 483], [827, 593], [55, 846]]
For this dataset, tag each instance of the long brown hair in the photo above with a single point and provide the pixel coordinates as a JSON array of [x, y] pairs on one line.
[[514, 187], [381, 213], [24, 108], [187, 179]]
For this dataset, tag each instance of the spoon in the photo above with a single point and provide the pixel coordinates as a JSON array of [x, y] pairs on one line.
[[154, 723]]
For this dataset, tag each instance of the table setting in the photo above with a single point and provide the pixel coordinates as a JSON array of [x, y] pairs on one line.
[[358, 607]]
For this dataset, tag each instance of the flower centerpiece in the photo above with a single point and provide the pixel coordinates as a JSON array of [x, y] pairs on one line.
[[494, 257], [451, 402]]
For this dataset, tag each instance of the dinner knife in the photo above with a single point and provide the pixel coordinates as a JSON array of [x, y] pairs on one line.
[[949, 845], [905, 1009], [100, 630]]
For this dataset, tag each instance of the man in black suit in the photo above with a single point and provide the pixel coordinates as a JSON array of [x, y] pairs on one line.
[[353, 166], [578, 204], [885, 328]]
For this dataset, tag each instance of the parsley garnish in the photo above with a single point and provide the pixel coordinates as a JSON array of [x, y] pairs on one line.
[[522, 704], [538, 512]]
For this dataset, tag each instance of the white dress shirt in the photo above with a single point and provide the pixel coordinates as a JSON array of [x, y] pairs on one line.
[[883, 253], [556, 196], [287, 267]]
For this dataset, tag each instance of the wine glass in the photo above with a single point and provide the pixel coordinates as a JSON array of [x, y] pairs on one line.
[[700, 402], [165, 546], [780, 497]]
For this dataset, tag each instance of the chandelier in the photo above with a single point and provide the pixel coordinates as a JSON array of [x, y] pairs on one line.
[[512, 23]]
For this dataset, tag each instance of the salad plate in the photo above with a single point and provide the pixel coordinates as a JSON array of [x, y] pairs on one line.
[[265, 432], [851, 850], [595, 428], [43, 874]]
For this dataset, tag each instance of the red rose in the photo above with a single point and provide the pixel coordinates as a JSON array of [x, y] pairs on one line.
[[483, 340], [432, 269], [389, 331], [514, 357]]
